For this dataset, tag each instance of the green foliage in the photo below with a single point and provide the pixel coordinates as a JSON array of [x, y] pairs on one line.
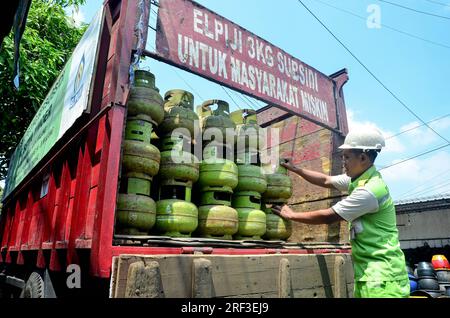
[[47, 43], [66, 3]]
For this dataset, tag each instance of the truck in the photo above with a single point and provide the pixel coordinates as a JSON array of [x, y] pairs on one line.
[[58, 223]]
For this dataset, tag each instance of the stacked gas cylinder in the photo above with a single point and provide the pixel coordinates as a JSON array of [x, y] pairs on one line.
[[278, 192], [229, 181], [252, 182], [218, 175], [176, 215], [136, 210]]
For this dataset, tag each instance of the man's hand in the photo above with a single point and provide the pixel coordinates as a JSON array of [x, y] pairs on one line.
[[287, 163], [283, 211]]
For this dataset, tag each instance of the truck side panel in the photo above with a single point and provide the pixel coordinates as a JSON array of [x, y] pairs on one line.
[[76, 215]]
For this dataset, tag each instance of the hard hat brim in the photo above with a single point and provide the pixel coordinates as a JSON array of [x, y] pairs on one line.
[[343, 147]]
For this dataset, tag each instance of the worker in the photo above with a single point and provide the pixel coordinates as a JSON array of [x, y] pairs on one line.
[[378, 262]]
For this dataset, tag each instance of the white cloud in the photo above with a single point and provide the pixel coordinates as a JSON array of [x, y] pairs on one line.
[[393, 145], [422, 176], [77, 15], [420, 135], [407, 171], [442, 124], [419, 177]]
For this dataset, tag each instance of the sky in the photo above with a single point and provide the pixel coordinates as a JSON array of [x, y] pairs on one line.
[[415, 70]]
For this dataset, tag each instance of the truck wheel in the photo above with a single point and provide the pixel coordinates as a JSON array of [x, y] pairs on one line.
[[34, 287]]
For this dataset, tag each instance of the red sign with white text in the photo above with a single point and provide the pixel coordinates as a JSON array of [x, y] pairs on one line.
[[197, 39]]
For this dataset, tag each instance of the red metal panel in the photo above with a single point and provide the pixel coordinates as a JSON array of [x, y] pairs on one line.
[[62, 205], [341, 78], [116, 92], [91, 213], [36, 229], [50, 208], [25, 221], [101, 256], [95, 173], [79, 214], [15, 225], [268, 115], [65, 217], [6, 226]]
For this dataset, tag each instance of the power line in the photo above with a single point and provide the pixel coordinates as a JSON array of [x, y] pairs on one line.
[[247, 98], [196, 93], [416, 156], [416, 127], [241, 98], [386, 26], [430, 189], [231, 97], [424, 183], [181, 77], [418, 11], [372, 74], [440, 3]]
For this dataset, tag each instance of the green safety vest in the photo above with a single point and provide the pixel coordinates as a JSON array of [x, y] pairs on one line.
[[376, 249]]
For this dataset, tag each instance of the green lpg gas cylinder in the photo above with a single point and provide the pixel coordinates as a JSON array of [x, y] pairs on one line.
[[251, 178], [248, 157], [216, 196], [252, 224], [145, 99], [141, 157], [179, 165], [138, 129], [217, 221], [221, 173], [137, 183], [249, 135], [176, 218], [247, 199], [216, 121], [277, 228], [279, 186], [178, 113], [177, 142], [173, 189], [136, 214]]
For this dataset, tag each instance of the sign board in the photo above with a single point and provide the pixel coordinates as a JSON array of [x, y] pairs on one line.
[[66, 101], [198, 40]]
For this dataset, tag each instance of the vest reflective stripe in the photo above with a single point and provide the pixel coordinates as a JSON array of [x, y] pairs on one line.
[[376, 249]]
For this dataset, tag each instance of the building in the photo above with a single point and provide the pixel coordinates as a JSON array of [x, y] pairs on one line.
[[424, 227]]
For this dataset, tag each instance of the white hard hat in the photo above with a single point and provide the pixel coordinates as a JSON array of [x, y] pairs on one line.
[[365, 139]]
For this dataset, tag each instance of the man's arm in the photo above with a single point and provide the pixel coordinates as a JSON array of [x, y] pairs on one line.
[[313, 177], [326, 216]]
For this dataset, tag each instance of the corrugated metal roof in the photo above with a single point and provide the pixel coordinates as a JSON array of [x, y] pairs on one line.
[[436, 197]]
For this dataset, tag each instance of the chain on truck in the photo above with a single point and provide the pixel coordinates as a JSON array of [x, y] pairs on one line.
[[135, 194]]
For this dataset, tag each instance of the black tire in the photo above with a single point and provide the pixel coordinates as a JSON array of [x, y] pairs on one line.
[[34, 287]]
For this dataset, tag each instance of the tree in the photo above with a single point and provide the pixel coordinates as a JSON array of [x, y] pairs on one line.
[[1, 196], [47, 43]]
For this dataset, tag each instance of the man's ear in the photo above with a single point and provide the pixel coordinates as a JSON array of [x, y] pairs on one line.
[[363, 156]]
